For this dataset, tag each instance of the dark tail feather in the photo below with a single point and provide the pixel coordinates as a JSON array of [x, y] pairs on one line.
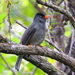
[[17, 65]]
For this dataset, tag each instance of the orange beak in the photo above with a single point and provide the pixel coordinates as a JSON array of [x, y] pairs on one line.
[[47, 16]]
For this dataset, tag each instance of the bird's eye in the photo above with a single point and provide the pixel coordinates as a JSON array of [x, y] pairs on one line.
[[40, 16]]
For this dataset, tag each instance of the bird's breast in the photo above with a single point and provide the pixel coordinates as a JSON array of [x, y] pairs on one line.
[[38, 36]]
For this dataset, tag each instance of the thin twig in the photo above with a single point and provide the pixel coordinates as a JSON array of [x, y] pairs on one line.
[[21, 24], [33, 72], [60, 3], [7, 64], [48, 30], [53, 45], [8, 15], [3, 20], [72, 41], [8, 6]]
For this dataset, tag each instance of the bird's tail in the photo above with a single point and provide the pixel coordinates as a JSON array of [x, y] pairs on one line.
[[17, 65]]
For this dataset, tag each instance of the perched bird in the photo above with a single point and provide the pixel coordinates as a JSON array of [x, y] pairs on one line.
[[34, 35]]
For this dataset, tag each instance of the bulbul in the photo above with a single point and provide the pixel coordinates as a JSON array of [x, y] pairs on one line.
[[34, 35]]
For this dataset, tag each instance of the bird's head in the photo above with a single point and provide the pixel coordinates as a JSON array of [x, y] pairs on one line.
[[40, 17]]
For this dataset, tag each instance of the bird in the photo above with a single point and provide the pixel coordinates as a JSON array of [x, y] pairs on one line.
[[34, 34]]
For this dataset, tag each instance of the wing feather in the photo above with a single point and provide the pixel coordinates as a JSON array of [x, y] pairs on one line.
[[28, 35]]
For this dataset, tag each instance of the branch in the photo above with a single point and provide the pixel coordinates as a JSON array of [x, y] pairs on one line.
[[72, 46], [34, 71], [21, 24], [51, 43], [8, 6], [60, 3], [43, 64], [58, 9], [34, 59], [32, 50]]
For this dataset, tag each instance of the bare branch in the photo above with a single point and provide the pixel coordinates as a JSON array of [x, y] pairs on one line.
[[60, 3], [43, 64], [34, 71], [8, 6], [72, 45], [21, 24], [34, 59], [32, 50], [58, 9], [53, 45]]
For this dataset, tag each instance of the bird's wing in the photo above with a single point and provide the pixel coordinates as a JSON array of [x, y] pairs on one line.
[[28, 35], [25, 41]]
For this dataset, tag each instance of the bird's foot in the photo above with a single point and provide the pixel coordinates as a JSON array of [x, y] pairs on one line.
[[40, 46]]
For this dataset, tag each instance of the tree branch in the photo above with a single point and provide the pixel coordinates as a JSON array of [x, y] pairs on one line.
[[34, 59], [58, 9], [21, 24], [43, 64], [32, 50], [60, 3]]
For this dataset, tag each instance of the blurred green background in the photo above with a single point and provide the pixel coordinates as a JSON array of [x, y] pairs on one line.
[[23, 11]]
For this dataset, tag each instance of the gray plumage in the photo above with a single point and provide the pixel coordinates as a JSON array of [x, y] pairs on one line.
[[33, 35]]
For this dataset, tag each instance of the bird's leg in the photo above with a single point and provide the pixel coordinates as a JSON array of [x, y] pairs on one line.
[[29, 46], [40, 46]]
